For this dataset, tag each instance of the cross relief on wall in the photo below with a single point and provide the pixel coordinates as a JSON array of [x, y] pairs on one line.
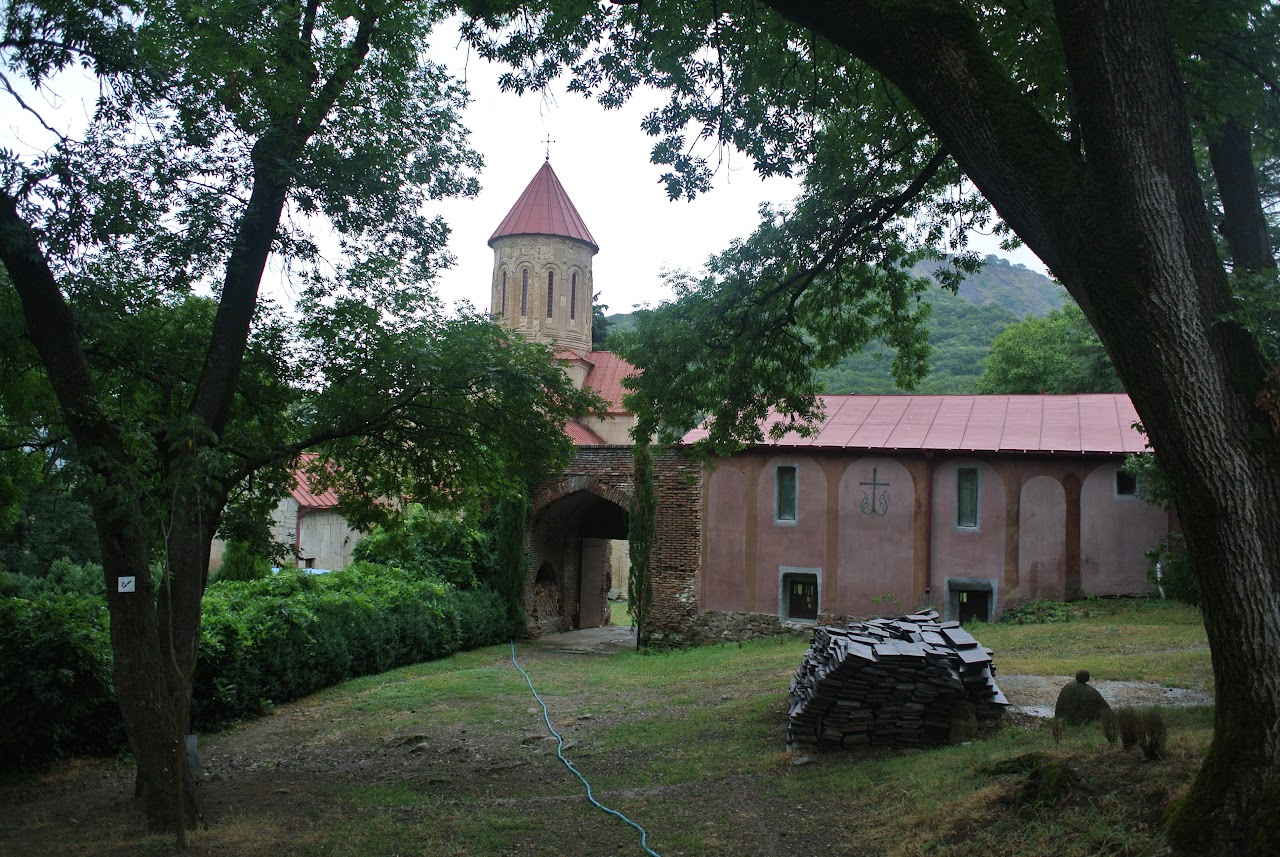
[[875, 496]]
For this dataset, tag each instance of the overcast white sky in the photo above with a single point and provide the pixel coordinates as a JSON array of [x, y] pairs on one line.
[[602, 159]]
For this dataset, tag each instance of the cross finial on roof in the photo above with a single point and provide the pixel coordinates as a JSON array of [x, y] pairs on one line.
[[549, 142]]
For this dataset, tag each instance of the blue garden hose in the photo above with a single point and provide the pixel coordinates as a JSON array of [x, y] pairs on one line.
[[560, 753]]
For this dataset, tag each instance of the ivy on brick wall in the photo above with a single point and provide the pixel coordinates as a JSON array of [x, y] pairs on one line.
[[640, 527]]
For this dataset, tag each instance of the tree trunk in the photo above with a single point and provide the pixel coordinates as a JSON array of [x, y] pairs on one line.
[[1244, 223], [152, 698], [1123, 225], [150, 695]]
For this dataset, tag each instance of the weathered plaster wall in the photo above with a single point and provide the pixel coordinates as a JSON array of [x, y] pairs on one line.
[[1048, 527], [1121, 529], [1042, 537], [877, 550]]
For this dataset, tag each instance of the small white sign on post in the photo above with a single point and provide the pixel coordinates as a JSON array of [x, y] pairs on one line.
[[127, 584]]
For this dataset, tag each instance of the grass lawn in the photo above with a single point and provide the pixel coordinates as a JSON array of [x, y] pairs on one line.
[[451, 758]]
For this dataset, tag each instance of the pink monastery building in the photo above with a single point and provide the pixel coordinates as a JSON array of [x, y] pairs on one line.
[[970, 504]]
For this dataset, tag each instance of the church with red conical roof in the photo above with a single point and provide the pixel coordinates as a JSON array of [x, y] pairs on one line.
[[542, 289]]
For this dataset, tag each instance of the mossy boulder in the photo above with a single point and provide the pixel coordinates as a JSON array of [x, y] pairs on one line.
[[1079, 703]]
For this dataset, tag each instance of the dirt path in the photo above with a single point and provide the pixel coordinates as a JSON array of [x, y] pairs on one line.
[[1036, 695]]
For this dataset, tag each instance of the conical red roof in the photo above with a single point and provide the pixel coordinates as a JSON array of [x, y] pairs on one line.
[[545, 209]]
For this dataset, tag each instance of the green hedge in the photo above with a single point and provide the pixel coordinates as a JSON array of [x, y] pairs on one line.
[[262, 642], [55, 678], [273, 640]]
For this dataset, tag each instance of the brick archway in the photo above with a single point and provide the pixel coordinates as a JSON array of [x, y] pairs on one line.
[[549, 492], [577, 520]]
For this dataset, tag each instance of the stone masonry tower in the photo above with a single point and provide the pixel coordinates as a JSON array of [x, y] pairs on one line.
[[542, 267]]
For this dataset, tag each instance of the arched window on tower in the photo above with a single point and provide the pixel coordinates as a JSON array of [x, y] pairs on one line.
[[524, 292], [502, 307], [551, 285], [573, 296]]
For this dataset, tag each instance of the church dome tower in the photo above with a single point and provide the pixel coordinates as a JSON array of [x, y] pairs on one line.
[[542, 253]]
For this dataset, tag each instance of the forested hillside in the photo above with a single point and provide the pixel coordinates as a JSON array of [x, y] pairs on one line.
[[961, 330], [1016, 288]]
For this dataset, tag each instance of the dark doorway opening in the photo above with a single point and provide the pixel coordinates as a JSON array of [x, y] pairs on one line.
[[800, 594], [974, 606]]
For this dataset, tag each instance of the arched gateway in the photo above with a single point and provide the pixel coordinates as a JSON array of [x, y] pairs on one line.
[[577, 543]]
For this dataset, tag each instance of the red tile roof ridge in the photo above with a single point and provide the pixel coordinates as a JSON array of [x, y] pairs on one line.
[[302, 492], [582, 435], [975, 423]]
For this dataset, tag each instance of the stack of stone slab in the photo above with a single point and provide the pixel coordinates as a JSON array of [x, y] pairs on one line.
[[896, 682]]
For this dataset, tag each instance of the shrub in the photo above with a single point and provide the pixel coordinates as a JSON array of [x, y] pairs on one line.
[[62, 577], [262, 641], [55, 678], [1170, 569], [273, 640], [1039, 612], [1153, 734], [1129, 725], [240, 561], [450, 546]]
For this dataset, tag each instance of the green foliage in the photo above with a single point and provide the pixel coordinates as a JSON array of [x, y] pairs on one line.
[[55, 678], [510, 559], [448, 411], [262, 641], [600, 324], [240, 561], [273, 640], [1168, 563], [1042, 611], [1170, 568], [751, 331], [1006, 284], [61, 577], [640, 526], [447, 545], [1059, 353], [960, 336], [51, 524]]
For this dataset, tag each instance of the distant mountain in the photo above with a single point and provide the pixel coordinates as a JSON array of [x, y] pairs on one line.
[[1015, 287], [961, 329]]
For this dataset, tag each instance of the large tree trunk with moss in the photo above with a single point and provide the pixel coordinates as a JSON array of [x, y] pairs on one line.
[[1122, 223]]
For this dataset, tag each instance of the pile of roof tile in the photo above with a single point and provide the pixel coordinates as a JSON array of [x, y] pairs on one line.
[[889, 681]]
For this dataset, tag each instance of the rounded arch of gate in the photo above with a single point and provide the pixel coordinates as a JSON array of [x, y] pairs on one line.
[[548, 494]]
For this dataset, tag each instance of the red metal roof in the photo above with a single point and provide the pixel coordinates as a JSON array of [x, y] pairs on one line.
[[581, 435], [545, 209], [1095, 423], [302, 493], [605, 377]]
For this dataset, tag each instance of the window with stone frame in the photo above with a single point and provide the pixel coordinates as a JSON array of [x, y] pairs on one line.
[[967, 498], [524, 292], [551, 285], [786, 488]]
